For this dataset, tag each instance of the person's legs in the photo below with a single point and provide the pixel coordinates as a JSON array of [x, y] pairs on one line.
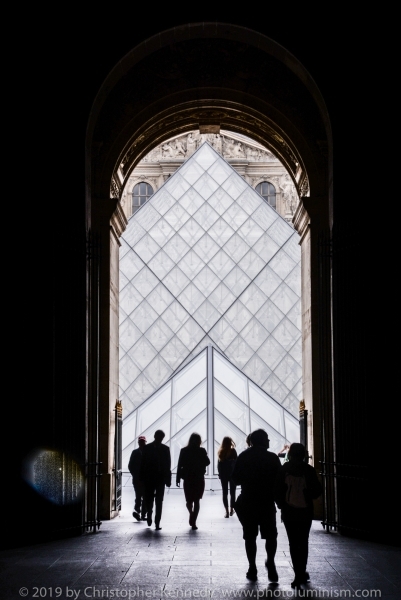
[[268, 532], [137, 504], [298, 539], [233, 488], [250, 530], [224, 489], [149, 494], [159, 496], [195, 513]]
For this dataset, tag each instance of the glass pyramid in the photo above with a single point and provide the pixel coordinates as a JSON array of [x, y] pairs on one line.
[[214, 398], [207, 261]]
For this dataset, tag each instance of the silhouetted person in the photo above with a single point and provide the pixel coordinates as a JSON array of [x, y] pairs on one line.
[[134, 467], [155, 473], [227, 455], [248, 440], [296, 487], [192, 464], [256, 470]]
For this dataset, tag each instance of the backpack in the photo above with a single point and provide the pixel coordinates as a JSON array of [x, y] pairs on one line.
[[295, 495]]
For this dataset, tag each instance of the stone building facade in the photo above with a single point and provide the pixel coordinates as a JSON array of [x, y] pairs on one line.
[[251, 160]]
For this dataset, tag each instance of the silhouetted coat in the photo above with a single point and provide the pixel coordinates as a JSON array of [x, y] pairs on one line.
[[192, 462], [313, 489], [156, 464]]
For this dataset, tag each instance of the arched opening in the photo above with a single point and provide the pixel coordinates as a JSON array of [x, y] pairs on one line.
[[236, 93]]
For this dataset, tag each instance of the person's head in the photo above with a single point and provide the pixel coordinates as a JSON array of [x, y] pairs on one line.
[[195, 440], [259, 437], [296, 452], [226, 446], [141, 441], [159, 436], [248, 440]]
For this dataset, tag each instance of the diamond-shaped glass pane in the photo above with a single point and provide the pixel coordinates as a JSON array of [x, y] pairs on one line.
[[284, 298], [159, 334], [206, 216], [191, 201], [191, 171], [191, 298], [176, 216], [145, 281], [176, 186], [133, 233], [288, 371], [206, 248], [144, 316], [175, 281], [175, 316], [176, 248], [236, 247], [146, 216], [223, 334], [267, 281], [157, 372], [161, 264], [221, 232], [265, 216], [220, 171], [128, 371], [239, 352], [286, 334], [205, 186], [271, 352], [265, 247], [238, 316], [237, 281], [253, 298], [221, 298], [205, 156], [235, 216], [251, 264], [269, 315], [129, 298], [191, 264], [250, 232], [234, 185], [206, 315], [130, 265], [279, 231], [174, 352], [190, 334], [161, 232], [220, 201], [129, 335], [249, 200], [282, 264], [254, 334], [191, 232], [257, 370], [142, 353], [263, 405], [206, 281], [160, 298], [161, 201], [221, 264], [293, 280], [146, 248]]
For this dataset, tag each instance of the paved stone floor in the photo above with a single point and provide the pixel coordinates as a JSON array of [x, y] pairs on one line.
[[127, 559]]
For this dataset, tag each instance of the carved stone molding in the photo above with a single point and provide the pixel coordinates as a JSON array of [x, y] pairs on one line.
[[118, 222]]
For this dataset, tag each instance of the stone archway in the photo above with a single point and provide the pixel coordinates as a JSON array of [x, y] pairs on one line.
[[204, 76]]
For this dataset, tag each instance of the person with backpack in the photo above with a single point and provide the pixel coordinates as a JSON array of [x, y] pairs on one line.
[[297, 485]]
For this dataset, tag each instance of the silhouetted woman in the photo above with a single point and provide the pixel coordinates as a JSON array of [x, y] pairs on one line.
[[192, 464], [227, 456]]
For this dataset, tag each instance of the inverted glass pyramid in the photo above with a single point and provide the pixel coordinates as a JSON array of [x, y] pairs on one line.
[[207, 261], [212, 397]]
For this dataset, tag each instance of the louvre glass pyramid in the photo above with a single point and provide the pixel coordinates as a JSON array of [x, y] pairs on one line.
[[207, 261], [212, 397]]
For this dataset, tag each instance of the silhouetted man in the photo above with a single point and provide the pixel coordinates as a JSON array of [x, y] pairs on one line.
[[155, 473], [256, 470], [134, 467]]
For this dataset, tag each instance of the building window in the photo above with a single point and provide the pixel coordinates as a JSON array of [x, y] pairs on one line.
[[141, 192], [268, 192]]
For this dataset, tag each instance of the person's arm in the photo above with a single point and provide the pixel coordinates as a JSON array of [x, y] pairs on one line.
[[168, 467], [179, 466]]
